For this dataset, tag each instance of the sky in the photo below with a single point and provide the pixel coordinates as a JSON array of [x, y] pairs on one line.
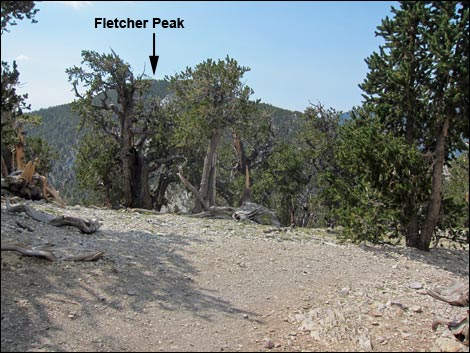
[[299, 52]]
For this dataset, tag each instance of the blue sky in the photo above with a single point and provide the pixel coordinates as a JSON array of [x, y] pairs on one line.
[[298, 52]]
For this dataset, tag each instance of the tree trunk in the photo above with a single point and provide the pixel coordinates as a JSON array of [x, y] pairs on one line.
[[243, 167], [412, 228], [19, 149], [135, 171], [207, 188], [4, 167], [127, 157], [246, 192], [140, 186], [434, 206], [158, 194]]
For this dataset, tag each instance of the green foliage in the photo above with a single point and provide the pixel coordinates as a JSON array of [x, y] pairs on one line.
[[318, 136], [455, 208], [98, 170], [279, 181], [209, 97], [256, 137], [110, 88], [113, 103], [17, 10], [418, 88], [13, 104], [372, 181]]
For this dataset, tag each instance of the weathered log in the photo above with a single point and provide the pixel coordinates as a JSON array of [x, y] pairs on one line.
[[87, 227], [216, 212], [249, 211], [456, 295], [204, 203], [25, 184], [18, 186], [52, 253], [256, 213]]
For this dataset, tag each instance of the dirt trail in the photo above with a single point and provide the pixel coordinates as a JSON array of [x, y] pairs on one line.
[[175, 283]]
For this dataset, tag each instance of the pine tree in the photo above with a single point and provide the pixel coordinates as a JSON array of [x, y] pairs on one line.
[[418, 87], [210, 98]]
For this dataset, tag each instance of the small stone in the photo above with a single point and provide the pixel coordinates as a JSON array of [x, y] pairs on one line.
[[268, 343], [415, 285], [308, 324], [391, 303], [451, 345], [315, 334], [381, 340], [365, 343], [376, 313], [245, 316], [398, 312], [131, 292], [417, 309]]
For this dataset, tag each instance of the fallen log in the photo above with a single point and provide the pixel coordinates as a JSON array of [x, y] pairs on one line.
[[456, 295], [29, 185], [256, 213], [86, 227], [216, 212], [248, 211], [52, 253]]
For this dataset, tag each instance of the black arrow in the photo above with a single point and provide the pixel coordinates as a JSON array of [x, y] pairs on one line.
[[153, 58]]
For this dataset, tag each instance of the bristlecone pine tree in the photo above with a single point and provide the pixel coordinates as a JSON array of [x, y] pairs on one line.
[[418, 86]]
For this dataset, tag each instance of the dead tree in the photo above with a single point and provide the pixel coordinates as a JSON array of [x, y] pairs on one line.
[[85, 226], [456, 295]]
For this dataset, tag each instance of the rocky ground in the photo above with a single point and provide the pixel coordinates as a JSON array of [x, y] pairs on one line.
[[173, 283]]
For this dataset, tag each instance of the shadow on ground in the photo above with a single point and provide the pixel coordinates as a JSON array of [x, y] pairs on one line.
[[139, 271], [455, 261]]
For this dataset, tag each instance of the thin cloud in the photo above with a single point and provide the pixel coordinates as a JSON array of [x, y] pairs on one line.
[[76, 4], [23, 57]]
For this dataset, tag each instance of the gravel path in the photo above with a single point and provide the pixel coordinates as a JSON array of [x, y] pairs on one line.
[[175, 283]]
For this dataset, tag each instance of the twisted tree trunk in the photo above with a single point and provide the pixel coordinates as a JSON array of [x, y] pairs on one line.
[[434, 206], [207, 188], [456, 295]]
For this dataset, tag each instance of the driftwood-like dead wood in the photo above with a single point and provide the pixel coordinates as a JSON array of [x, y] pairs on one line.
[[249, 211], [256, 213], [24, 226], [456, 295], [142, 210], [53, 253], [216, 212], [87, 227], [30, 185], [204, 203]]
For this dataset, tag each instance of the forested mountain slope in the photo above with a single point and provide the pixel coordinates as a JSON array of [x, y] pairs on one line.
[[60, 128]]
